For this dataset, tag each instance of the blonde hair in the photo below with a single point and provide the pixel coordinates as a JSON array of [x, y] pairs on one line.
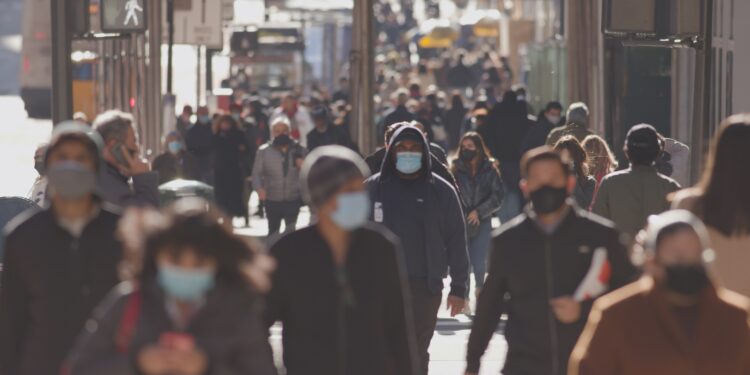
[[601, 159]]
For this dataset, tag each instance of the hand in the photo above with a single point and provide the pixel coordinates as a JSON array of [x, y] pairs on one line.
[[154, 360], [135, 166], [192, 362], [455, 305], [567, 310], [261, 195], [473, 218]]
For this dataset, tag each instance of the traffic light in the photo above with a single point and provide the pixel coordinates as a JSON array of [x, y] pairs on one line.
[[652, 19]]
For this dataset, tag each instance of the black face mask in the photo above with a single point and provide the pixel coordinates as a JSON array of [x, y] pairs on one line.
[[548, 199], [468, 155], [282, 140], [689, 279], [40, 167]]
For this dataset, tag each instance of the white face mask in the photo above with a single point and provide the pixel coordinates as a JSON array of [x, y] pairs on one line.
[[553, 119]]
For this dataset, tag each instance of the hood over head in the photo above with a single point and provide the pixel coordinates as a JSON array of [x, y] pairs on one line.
[[388, 169]]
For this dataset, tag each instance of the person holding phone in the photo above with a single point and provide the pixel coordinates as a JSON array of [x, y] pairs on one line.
[[126, 179], [190, 305]]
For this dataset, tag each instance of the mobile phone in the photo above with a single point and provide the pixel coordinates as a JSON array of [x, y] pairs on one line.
[[177, 341], [117, 152]]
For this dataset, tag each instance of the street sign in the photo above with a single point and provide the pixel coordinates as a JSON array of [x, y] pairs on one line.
[[198, 22], [123, 16]]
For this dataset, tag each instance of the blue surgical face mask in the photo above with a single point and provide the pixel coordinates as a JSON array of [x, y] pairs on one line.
[[185, 284], [409, 162], [352, 211], [71, 180], [175, 147]]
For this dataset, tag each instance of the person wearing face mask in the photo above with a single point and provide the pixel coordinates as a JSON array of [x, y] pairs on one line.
[[230, 145], [359, 319], [190, 304], [38, 193], [126, 178], [546, 121], [577, 121], [546, 267], [59, 261], [276, 177], [482, 193], [176, 162], [325, 133], [674, 320], [425, 213], [298, 117], [183, 120], [199, 142]]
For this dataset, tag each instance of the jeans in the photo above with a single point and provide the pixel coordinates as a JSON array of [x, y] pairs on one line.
[[285, 210], [425, 305], [478, 248]]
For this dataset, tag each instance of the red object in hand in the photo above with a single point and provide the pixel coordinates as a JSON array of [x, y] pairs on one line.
[[177, 341]]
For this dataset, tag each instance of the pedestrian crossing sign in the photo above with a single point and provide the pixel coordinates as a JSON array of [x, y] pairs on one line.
[[123, 16]]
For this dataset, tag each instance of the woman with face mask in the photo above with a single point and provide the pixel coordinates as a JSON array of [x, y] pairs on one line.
[[339, 286], [190, 305], [176, 162], [482, 194], [674, 320]]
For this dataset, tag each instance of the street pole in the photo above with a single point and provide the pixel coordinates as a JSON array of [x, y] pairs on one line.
[[363, 77], [62, 80], [702, 100], [170, 22]]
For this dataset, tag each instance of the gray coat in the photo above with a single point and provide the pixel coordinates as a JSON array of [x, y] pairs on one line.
[[116, 189], [228, 328], [277, 173]]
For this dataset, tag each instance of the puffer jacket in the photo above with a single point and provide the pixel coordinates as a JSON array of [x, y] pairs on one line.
[[483, 192], [277, 172]]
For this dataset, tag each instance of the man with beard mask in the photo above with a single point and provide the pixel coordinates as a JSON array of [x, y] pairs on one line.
[[551, 261], [60, 261], [674, 320], [276, 177]]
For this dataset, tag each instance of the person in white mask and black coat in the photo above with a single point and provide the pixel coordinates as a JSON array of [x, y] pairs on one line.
[[340, 287], [59, 262]]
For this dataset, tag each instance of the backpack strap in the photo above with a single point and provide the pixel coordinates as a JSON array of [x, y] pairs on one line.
[[129, 322]]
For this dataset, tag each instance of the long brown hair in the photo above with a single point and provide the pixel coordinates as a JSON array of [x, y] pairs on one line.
[[725, 186], [482, 149], [577, 154], [601, 159]]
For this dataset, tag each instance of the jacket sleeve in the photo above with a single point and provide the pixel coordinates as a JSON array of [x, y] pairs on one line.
[[493, 204], [623, 270], [95, 351], [490, 306], [601, 201], [253, 352], [455, 236], [399, 314], [258, 170], [14, 310], [596, 352], [145, 190]]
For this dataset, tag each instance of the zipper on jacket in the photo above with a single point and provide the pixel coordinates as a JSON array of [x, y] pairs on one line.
[[554, 352]]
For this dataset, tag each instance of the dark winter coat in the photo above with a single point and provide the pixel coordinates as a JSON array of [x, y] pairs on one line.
[[333, 135], [399, 114], [537, 134], [171, 167], [228, 328], [123, 191], [508, 122], [356, 317], [443, 231], [228, 174], [51, 283], [521, 261], [482, 192]]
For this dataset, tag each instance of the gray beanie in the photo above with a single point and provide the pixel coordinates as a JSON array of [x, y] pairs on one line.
[[578, 113], [326, 169]]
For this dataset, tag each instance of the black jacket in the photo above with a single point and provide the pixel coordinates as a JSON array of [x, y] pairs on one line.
[[483, 192], [521, 258], [228, 328], [171, 167], [333, 135], [443, 228], [399, 114], [51, 283], [537, 134], [357, 316]]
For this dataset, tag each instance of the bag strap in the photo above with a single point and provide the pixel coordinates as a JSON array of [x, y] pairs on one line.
[[128, 323]]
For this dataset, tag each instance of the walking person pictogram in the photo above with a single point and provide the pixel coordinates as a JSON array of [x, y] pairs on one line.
[[132, 7]]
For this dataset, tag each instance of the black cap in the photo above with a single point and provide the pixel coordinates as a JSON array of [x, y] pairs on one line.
[[319, 113], [643, 137]]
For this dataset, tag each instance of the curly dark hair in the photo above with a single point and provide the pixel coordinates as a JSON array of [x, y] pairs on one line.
[[189, 225]]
